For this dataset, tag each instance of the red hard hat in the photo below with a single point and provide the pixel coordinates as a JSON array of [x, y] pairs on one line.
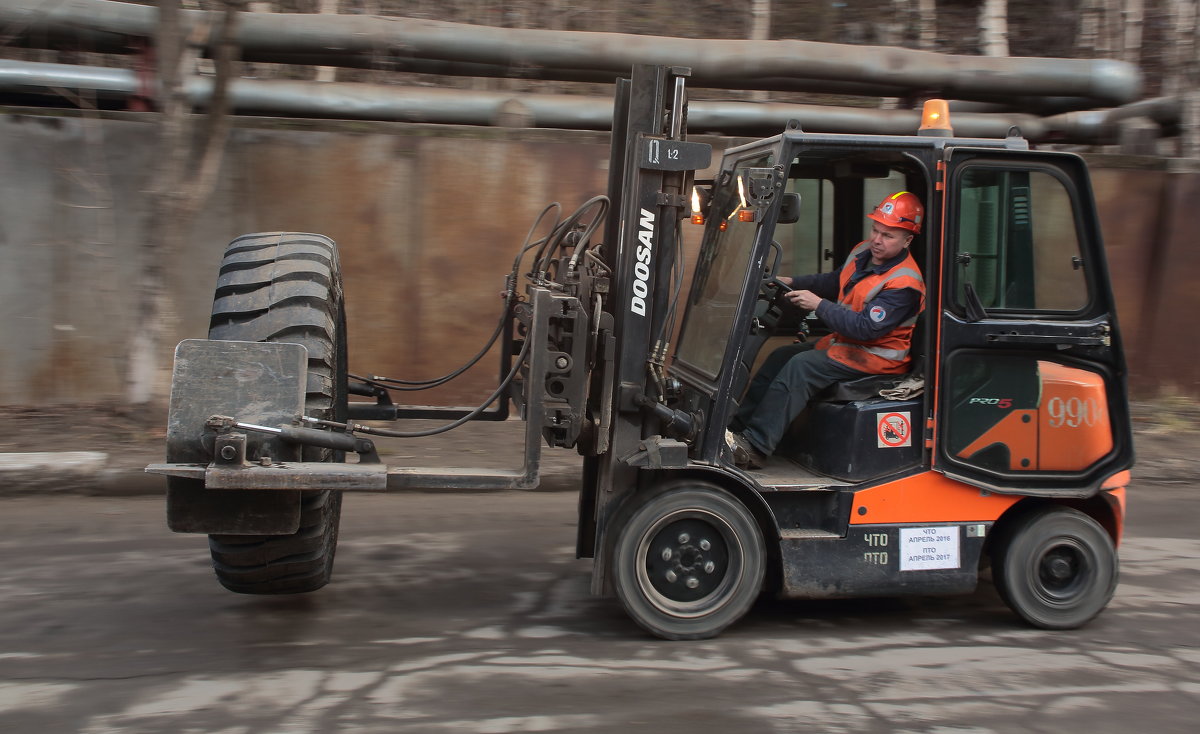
[[902, 210]]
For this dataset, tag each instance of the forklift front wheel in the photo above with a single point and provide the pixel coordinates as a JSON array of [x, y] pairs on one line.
[[688, 561], [1056, 568]]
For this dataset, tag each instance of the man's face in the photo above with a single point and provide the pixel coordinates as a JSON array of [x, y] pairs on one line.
[[887, 242]]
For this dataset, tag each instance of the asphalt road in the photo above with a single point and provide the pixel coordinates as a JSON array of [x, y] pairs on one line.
[[468, 613]]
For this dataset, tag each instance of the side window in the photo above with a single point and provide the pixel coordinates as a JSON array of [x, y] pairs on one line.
[[805, 241], [1017, 246]]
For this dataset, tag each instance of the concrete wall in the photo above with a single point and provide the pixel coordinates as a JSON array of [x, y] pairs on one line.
[[428, 220]]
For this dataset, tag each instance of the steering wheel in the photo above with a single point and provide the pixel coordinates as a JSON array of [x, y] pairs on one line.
[[774, 290]]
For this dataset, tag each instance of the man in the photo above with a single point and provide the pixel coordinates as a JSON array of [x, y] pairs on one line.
[[871, 305]]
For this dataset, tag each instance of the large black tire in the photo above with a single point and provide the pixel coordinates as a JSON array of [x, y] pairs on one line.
[[286, 287], [1056, 568], [688, 561]]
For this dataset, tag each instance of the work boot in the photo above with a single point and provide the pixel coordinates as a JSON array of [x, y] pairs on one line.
[[745, 455]]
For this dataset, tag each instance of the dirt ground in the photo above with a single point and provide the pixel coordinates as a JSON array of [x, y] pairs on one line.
[[1166, 439]]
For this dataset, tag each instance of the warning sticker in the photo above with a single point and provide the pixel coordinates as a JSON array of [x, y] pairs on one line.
[[895, 430], [928, 549]]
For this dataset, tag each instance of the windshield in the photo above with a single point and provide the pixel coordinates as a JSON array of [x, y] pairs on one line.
[[720, 272]]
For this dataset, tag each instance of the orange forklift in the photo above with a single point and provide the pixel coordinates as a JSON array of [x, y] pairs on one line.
[[1007, 444]]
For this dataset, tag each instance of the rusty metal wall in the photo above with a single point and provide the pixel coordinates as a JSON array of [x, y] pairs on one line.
[[428, 220], [1167, 361], [1147, 212]]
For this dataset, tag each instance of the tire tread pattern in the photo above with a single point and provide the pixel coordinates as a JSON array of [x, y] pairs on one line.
[[285, 287]]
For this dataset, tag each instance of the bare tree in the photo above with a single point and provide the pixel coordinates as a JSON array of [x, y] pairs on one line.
[[1183, 73], [927, 24], [760, 30], [1133, 16], [327, 73], [993, 27], [1105, 28], [189, 161]]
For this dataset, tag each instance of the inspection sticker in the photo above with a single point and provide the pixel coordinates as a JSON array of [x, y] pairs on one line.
[[928, 549], [895, 430]]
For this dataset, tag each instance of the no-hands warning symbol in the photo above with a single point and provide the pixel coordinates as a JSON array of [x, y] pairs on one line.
[[895, 430]]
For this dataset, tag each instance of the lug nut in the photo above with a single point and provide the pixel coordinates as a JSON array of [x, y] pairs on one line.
[[683, 538], [666, 554], [705, 545], [692, 582], [710, 567], [672, 576]]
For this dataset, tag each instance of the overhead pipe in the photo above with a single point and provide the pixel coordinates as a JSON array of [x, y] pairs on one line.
[[735, 64], [470, 107]]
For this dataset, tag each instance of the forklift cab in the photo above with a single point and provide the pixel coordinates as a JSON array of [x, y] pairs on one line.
[[1017, 381]]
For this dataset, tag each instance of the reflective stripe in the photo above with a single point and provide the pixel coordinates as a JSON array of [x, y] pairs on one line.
[[893, 354], [854, 253], [892, 276]]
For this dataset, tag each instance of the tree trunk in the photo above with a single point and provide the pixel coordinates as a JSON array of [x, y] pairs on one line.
[[993, 28], [327, 73], [1183, 75], [927, 24], [174, 197], [1134, 16], [760, 30]]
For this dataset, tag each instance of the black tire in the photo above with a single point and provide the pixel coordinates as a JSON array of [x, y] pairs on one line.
[[286, 287], [668, 541], [1056, 568]]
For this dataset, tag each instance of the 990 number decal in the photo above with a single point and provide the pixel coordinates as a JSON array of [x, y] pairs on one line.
[[1073, 412]]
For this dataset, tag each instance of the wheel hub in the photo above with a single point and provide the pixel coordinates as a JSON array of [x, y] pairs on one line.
[[687, 561], [1062, 571]]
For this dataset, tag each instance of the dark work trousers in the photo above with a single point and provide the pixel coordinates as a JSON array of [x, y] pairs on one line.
[[787, 380]]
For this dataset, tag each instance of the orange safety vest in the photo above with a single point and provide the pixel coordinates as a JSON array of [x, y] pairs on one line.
[[888, 353]]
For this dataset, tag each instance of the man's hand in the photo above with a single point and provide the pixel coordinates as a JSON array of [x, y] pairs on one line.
[[806, 300]]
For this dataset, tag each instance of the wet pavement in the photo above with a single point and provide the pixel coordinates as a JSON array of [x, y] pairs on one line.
[[468, 612]]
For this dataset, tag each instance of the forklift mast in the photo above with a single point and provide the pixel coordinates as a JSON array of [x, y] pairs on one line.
[[649, 175]]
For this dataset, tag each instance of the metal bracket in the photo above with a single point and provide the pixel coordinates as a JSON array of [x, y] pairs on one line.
[[663, 154], [657, 452], [230, 449]]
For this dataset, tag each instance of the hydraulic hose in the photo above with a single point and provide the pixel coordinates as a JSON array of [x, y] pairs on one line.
[[547, 246]]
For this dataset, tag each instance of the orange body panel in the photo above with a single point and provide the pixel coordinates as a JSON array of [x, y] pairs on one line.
[[1069, 430], [1019, 432], [1120, 481], [1117, 498], [1074, 428], [928, 498]]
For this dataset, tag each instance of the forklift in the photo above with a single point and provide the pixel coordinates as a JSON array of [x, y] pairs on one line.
[[1007, 446]]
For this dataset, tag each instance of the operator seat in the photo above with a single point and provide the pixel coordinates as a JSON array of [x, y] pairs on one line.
[[849, 431]]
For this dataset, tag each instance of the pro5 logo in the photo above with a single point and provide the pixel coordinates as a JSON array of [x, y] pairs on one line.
[[998, 402]]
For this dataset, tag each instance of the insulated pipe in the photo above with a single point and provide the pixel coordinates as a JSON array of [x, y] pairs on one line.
[[466, 107], [736, 64]]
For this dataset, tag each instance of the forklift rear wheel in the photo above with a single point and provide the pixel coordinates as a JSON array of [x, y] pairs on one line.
[[1056, 568], [688, 561], [287, 287]]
